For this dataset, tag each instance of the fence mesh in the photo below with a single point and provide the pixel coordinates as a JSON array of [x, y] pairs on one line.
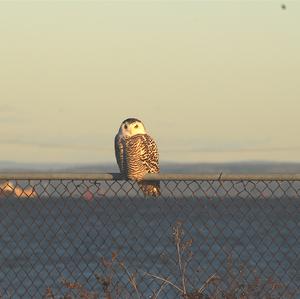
[[79, 238]]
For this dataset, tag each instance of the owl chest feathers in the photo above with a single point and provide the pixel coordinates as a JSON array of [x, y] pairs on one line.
[[140, 156]]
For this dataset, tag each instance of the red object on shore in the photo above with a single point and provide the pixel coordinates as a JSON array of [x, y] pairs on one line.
[[88, 195]]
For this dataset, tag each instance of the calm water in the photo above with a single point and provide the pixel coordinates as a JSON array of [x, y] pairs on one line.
[[47, 239]]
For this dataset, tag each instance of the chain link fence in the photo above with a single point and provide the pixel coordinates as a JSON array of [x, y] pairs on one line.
[[96, 236]]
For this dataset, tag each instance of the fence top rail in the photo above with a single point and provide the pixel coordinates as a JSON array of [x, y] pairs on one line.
[[97, 176]]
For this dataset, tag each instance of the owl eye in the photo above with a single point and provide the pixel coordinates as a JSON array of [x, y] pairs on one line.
[[125, 127], [136, 126]]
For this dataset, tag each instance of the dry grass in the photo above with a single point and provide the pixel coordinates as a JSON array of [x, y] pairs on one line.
[[237, 284]]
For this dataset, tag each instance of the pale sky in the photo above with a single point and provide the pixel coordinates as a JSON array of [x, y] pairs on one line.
[[213, 81]]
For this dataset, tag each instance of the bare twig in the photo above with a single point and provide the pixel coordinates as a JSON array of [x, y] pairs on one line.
[[212, 277], [131, 278], [155, 296], [181, 247], [48, 294], [165, 280]]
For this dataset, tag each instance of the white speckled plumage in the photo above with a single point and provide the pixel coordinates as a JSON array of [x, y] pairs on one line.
[[137, 154]]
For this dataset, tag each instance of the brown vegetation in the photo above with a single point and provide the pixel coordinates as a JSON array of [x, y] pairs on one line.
[[237, 286]]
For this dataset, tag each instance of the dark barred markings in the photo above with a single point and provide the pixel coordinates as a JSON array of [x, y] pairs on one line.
[[130, 120], [119, 153], [150, 188], [137, 156]]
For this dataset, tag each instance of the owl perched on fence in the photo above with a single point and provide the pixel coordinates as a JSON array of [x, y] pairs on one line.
[[137, 154]]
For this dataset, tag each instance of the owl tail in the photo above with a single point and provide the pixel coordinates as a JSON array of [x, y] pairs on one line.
[[150, 188]]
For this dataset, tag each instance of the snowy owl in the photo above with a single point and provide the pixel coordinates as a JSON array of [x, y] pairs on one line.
[[137, 154]]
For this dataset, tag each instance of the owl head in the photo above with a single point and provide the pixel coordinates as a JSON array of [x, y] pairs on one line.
[[130, 127]]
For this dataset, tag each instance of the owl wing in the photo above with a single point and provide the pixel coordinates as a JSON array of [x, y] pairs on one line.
[[149, 159], [150, 155], [119, 152]]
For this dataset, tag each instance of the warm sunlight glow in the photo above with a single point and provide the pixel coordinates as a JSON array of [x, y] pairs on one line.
[[211, 80]]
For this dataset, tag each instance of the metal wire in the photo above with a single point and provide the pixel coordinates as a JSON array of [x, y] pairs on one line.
[[94, 234], [99, 176]]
